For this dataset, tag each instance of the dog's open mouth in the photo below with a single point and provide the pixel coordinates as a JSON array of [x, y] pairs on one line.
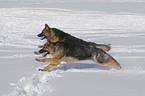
[[43, 37], [44, 54]]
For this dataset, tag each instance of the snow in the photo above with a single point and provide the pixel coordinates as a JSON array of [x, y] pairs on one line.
[[34, 86], [121, 25]]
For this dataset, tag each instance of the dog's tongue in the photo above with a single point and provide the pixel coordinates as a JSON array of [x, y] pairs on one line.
[[44, 53], [42, 37]]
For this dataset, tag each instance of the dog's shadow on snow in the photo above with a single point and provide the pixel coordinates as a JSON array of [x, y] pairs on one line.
[[67, 66]]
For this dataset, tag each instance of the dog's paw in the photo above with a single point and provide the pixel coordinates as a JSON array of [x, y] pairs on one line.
[[41, 70], [37, 59], [40, 60], [40, 46], [37, 53]]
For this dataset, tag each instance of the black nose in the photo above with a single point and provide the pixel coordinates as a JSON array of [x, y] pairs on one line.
[[40, 35]]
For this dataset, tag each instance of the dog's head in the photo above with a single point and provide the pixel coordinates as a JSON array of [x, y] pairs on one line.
[[46, 32], [52, 34], [51, 47]]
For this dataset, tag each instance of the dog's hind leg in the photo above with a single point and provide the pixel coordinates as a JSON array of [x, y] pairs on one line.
[[102, 58], [105, 47]]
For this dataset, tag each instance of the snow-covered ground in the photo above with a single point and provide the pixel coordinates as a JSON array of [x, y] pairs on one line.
[[121, 24]]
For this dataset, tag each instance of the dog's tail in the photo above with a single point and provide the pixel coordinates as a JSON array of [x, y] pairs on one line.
[[102, 58], [105, 47]]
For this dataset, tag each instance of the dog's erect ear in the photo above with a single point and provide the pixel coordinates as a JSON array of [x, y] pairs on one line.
[[47, 27]]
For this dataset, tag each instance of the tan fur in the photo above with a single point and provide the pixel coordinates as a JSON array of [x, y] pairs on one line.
[[51, 36], [113, 63], [53, 61], [69, 59], [37, 53], [41, 46], [59, 55], [102, 47]]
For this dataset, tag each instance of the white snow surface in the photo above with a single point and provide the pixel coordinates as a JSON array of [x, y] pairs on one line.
[[125, 31]]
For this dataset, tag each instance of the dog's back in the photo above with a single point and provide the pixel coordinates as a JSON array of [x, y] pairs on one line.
[[67, 38]]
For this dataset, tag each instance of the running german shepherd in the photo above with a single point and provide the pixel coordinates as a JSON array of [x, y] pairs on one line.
[[70, 52], [54, 35]]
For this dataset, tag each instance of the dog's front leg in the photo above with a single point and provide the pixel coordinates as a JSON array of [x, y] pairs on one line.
[[41, 60], [41, 46], [49, 60], [39, 52], [53, 63], [50, 66]]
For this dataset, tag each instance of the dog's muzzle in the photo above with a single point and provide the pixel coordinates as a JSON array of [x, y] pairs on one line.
[[42, 36]]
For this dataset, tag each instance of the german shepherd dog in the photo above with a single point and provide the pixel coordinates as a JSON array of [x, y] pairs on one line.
[[54, 35], [70, 52]]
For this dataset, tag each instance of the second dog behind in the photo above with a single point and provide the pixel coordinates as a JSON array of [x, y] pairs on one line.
[[55, 35]]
